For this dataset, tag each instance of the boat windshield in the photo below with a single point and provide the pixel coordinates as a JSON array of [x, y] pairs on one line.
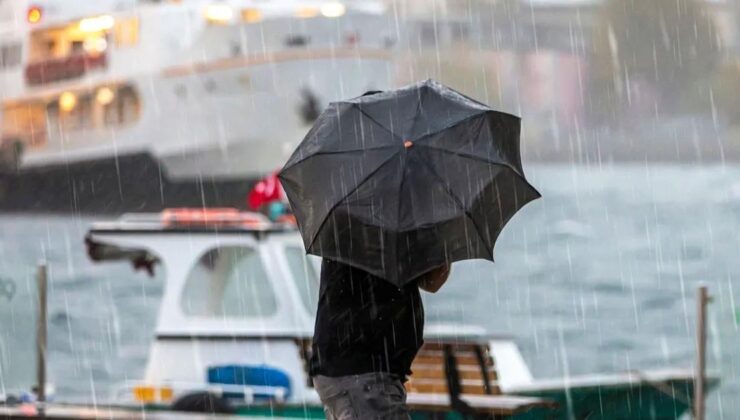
[[229, 282], [304, 274]]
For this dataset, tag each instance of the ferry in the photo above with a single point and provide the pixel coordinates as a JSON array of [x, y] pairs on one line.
[[237, 316], [111, 106]]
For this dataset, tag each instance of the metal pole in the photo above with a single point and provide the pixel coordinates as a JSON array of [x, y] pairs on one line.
[[701, 348], [41, 335]]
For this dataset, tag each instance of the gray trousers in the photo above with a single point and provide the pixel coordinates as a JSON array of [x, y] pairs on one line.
[[369, 396]]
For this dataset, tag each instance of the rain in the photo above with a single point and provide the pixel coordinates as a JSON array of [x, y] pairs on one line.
[[143, 144]]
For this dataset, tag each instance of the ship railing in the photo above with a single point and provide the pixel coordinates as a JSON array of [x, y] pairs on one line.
[[70, 67]]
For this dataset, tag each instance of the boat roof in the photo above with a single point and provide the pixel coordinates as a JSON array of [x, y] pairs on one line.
[[194, 221]]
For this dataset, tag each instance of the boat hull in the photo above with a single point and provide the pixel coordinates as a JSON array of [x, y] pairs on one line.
[[607, 403], [656, 401]]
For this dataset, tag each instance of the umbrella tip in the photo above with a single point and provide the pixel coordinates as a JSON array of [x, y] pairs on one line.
[[408, 143]]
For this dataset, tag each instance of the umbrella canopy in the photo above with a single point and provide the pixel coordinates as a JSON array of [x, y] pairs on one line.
[[399, 182]]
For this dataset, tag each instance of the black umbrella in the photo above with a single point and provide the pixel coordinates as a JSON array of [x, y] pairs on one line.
[[399, 182]]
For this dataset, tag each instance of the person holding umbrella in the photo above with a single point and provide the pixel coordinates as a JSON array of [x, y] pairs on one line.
[[367, 333], [390, 189]]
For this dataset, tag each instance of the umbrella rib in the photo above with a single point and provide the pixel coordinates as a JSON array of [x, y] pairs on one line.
[[471, 156], [359, 184], [417, 113], [376, 122], [354, 106], [338, 152], [449, 126], [457, 201]]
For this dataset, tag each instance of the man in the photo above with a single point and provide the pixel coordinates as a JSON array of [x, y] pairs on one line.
[[367, 333]]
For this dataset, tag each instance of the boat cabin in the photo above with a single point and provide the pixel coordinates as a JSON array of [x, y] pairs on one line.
[[237, 293]]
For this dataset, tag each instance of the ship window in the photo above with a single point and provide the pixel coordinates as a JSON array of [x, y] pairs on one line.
[[37, 122], [76, 118], [229, 282], [77, 47], [126, 32], [124, 107], [102, 107], [50, 45], [296, 41], [24, 122], [304, 275], [10, 55]]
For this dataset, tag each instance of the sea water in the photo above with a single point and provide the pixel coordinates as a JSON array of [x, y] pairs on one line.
[[598, 276]]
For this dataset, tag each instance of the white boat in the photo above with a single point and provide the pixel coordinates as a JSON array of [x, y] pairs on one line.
[[237, 316], [108, 106]]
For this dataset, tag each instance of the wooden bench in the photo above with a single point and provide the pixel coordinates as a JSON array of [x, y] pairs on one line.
[[475, 369], [461, 376]]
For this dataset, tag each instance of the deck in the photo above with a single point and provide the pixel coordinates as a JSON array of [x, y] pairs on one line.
[[495, 406]]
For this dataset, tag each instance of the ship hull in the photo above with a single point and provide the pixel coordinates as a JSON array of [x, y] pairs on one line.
[[114, 185]]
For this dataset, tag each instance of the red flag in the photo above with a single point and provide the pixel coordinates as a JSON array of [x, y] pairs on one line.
[[266, 191]]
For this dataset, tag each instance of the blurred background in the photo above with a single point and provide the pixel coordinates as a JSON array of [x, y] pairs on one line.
[[630, 129]]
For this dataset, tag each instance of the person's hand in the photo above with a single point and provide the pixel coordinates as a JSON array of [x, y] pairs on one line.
[[432, 280]]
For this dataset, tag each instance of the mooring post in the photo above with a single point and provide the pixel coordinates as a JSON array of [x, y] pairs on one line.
[[41, 279], [701, 348]]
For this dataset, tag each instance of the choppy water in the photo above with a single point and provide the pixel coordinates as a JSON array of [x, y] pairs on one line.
[[599, 276]]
